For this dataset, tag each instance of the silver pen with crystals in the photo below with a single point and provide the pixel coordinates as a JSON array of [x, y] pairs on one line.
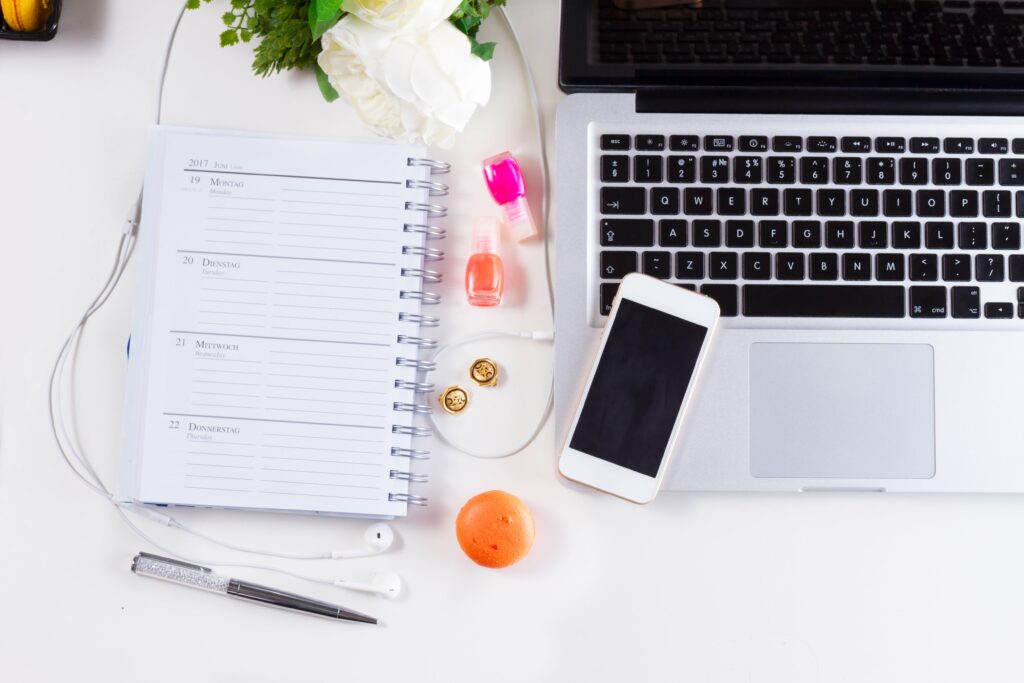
[[204, 578]]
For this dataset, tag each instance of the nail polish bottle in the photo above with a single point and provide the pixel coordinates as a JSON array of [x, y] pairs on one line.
[[485, 275], [505, 181]]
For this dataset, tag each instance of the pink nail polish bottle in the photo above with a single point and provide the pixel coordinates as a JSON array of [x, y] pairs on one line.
[[505, 181], [485, 274]]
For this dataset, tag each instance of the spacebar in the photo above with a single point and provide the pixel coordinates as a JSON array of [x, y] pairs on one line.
[[824, 301]]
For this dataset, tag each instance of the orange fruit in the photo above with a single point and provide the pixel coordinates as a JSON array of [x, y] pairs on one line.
[[495, 529], [25, 15]]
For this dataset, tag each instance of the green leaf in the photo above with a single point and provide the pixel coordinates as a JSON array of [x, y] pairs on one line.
[[228, 18], [484, 51], [326, 89], [192, 4], [323, 14], [229, 37], [246, 35]]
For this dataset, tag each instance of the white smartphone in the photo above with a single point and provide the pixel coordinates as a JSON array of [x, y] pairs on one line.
[[649, 360]]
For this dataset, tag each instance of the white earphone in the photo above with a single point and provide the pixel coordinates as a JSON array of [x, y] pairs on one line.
[[378, 537], [386, 584]]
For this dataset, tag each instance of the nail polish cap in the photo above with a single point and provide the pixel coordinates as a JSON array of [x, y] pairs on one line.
[[486, 233]]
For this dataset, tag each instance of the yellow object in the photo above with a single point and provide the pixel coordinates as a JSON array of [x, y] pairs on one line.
[[26, 15], [454, 399], [484, 372]]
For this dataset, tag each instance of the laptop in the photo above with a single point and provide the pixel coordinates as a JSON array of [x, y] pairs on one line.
[[846, 179]]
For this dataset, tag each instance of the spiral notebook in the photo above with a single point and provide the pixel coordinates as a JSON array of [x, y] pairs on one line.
[[278, 324]]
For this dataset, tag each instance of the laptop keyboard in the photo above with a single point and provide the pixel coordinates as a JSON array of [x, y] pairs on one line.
[[823, 226], [954, 33]]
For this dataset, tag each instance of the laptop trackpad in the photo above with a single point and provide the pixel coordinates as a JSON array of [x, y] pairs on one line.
[[856, 411]]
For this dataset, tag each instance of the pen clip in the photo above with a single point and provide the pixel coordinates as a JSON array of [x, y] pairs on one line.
[[168, 560]]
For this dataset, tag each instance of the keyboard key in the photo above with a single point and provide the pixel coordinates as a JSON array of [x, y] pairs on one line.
[[981, 172], [890, 145], [924, 267], [714, 169], [996, 203], [1006, 236], [747, 170], [824, 266], [938, 235], [881, 171], [839, 234], [781, 170], [897, 203], [927, 302], [722, 265], [873, 235], [732, 201], [658, 264], [989, 268], [628, 200], [831, 202], [690, 265], [914, 171], [725, 295], [772, 234], [821, 144], [958, 146], [890, 267], [906, 235], [998, 310], [931, 203], [856, 266], [1011, 171], [946, 171], [789, 266], [855, 145], [806, 234], [824, 301], [1018, 146], [963, 203], [627, 233], [684, 143], [764, 202], [784, 143], [993, 146], [697, 201], [956, 268], [847, 170], [608, 292], [814, 170], [757, 265], [972, 236], [672, 233], [615, 169], [753, 143], [616, 142], [739, 234], [924, 145], [682, 169], [717, 143], [615, 265], [647, 169], [650, 143], [796, 202], [664, 201], [966, 302], [1017, 268], [707, 234]]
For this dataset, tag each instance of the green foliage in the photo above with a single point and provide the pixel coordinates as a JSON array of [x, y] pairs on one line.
[[324, 83], [468, 18], [323, 14]]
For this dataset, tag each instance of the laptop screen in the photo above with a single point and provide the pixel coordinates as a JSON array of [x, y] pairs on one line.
[[637, 44]]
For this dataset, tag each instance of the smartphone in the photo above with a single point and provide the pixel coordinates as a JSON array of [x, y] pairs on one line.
[[635, 400]]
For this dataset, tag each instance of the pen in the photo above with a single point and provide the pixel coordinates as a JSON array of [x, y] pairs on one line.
[[204, 578]]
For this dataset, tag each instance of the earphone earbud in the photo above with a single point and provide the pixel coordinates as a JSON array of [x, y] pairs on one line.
[[386, 584], [379, 538]]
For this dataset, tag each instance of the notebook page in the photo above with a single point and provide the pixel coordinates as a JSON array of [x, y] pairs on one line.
[[265, 338]]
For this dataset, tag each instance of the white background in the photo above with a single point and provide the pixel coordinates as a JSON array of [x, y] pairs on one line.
[[790, 588]]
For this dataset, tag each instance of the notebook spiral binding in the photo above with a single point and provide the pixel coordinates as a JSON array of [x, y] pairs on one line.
[[429, 233]]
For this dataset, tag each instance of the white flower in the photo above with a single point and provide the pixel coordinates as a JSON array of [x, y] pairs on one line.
[[417, 87], [402, 15]]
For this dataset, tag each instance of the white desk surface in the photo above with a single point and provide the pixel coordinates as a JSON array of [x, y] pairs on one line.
[[791, 588]]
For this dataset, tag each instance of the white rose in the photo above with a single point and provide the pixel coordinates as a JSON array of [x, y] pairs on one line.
[[402, 15], [417, 87]]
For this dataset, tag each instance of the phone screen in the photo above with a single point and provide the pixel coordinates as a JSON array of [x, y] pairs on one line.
[[638, 387]]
